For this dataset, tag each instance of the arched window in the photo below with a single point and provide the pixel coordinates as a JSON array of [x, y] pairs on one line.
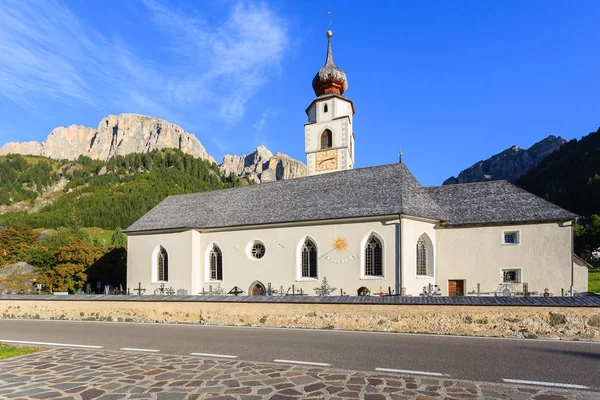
[[325, 107], [421, 256], [216, 264], [162, 265], [373, 257], [309, 259], [326, 139]]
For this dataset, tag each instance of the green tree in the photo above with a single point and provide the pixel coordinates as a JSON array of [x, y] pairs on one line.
[[118, 238]]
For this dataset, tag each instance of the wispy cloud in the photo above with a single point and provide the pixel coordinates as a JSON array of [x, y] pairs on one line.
[[47, 52], [260, 127], [235, 54]]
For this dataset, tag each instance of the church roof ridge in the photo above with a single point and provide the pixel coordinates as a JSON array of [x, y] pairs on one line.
[[494, 202], [471, 183], [362, 192], [379, 190], [284, 181]]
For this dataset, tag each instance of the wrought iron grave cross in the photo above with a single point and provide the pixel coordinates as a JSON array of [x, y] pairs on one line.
[[139, 289]]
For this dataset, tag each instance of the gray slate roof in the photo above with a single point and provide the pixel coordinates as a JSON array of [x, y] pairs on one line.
[[493, 202], [366, 192]]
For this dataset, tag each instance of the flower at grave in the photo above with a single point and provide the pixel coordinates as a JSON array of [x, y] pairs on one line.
[[340, 244]]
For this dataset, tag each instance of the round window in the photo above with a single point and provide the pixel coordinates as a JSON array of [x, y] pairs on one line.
[[258, 250]]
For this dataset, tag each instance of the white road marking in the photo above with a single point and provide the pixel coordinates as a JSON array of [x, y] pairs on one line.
[[302, 363], [410, 372], [308, 330], [85, 346], [134, 349], [213, 355], [552, 384]]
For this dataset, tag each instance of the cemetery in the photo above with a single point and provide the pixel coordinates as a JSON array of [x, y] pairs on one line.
[[552, 317]]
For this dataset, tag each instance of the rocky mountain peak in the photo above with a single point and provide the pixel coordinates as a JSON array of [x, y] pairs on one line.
[[509, 164], [116, 135], [262, 166], [134, 133]]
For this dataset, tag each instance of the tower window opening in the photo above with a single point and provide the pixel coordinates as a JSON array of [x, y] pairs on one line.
[[324, 108], [326, 139]]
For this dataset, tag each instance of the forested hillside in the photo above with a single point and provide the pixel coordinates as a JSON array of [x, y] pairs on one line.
[[104, 194], [570, 177], [24, 177]]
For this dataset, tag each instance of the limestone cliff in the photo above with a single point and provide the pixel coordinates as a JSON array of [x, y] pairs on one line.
[[132, 133], [25, 148], [116, 135], [68, 143], [262, 166], [510, 164]]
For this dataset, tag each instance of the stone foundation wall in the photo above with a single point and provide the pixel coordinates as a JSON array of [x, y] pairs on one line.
[[567, 323]]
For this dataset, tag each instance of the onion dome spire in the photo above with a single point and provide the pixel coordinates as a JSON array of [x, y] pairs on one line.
[[330, 79]]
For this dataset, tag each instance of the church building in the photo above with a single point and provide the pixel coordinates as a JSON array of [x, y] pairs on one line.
[[374, 228]]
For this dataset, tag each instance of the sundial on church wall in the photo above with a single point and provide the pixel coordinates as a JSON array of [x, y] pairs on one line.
[[339, 253]]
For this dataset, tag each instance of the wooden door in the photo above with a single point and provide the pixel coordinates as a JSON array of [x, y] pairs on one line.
[[456, 287]]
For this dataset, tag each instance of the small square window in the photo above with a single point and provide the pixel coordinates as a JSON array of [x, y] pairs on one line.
[[511, 237], [511, 275]]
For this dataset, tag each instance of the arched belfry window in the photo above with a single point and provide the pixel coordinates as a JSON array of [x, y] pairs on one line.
[[162, 265], [309, 259], [216, 264], [374, 257], [424, 256], [326, 139], [325, 108]]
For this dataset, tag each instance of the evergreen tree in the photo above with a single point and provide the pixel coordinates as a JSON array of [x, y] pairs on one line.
[[118, 238]]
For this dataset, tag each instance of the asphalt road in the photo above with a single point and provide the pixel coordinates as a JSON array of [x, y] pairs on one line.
[[480, 359]]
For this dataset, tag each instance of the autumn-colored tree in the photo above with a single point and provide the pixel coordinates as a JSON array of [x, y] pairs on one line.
[[15, 240], [72, 261]]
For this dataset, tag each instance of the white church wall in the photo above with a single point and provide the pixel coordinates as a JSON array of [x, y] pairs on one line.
[[341, 108], [281, 262], [183, 262], [314, 131], [412, 230], [312, 113], [580, 278], [542, 258]]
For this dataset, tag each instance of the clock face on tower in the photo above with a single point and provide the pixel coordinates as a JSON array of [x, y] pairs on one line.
[[326, 160]]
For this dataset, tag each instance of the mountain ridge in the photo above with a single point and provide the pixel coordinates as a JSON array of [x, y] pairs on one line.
[[509, 164], [130, 133]]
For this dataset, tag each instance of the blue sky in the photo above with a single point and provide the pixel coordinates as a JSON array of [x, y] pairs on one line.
[[448, 82]]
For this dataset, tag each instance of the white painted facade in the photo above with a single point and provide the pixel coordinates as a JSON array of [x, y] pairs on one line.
[[335, 114], [472, 254], [542, 257]]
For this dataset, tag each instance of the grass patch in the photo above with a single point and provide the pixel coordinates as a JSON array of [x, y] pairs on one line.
[[103, 235], [7, 351], [594, 280]]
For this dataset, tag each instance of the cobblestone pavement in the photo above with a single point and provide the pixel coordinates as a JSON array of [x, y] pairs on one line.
[[92, 374]]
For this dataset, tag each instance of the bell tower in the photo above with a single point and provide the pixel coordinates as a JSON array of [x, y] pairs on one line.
[[328, 134]]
